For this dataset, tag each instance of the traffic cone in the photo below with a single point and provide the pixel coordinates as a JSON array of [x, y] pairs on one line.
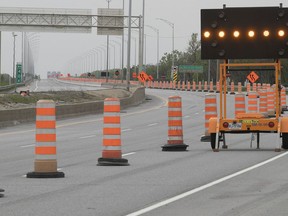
[[175, 130], [45, 164], [210, 111], [112, 154]]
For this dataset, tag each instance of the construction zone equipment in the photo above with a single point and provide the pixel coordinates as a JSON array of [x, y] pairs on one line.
[[211, 87], [45, 164], [210, 112], [253, 122], [1, 190], [252, 102], [175, 140], [232, 90], [283, 99], [239, 104], [111, 153], [263, 102]]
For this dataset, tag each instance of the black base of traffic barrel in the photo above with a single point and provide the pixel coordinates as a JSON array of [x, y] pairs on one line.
[[112, 162], [174, 147], [205, 138], [45, 175], [1, 190]]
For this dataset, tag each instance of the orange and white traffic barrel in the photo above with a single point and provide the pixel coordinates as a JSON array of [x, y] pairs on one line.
[[248, 87], [232, 89], [252, 102], [211, 87], [45, 163], [283, 99], [205, 86], [193, 86], [111, 152], [239, 87], [271, 102], [199, 86], [210, 111], [183, 86], [217, 87], [263, 102], [239, 104], [254, 87], [188, 86], [175, 140]]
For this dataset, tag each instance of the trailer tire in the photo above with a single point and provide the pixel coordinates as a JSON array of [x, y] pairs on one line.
[[213, 140], [285, 140]]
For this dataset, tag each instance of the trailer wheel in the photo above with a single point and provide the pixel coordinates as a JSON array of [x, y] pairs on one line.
[[285, 140], [213, 140]]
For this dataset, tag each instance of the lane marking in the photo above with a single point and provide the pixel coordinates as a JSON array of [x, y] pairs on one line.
[[153, 124], [85, 137], [26, 146], [127, 129], [127, 154], [193, 191], [187, 116]]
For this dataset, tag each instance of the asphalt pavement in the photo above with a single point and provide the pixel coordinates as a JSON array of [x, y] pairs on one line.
[[236, 181]]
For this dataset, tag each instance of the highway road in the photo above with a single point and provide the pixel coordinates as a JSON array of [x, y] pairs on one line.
[[236, 181], [58, 85]]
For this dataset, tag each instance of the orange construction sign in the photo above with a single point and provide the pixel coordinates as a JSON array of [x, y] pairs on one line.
[[252, 77], [142, 77]]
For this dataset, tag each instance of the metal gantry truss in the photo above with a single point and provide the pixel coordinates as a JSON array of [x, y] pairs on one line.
[[17, 21]]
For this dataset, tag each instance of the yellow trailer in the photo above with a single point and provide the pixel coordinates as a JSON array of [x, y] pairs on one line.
[[248, 122]]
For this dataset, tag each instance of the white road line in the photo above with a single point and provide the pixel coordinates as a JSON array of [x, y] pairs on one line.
[[85, 137], [36, 86], [187, 116], [153, 124], [124, 130], [26, 146], [193, 191], [131, 153], [196, 113]]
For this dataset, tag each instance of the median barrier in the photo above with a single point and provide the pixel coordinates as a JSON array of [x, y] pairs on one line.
[[17, 116]]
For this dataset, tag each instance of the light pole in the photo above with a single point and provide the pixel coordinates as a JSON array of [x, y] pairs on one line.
[[107, 47], [172, 25], [15, 83], [157, 31]]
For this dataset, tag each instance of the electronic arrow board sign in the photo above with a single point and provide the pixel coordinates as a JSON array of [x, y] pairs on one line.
[[244, 33]]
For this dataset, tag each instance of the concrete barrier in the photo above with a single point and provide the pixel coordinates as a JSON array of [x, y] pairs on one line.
[[17, 116]]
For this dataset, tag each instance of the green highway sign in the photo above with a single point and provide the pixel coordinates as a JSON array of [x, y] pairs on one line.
[[190, 69], [19, 73]]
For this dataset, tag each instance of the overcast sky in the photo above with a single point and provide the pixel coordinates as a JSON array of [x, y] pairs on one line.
[[56, 49]]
